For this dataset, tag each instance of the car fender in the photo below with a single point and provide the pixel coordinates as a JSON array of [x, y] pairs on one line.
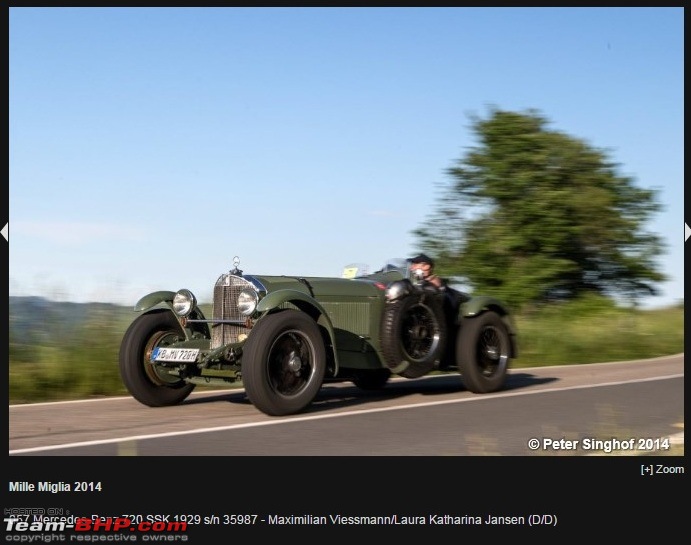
[[152, 299], [476, 305], [305, 303]]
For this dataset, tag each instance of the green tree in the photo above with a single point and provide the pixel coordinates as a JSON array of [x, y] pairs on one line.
[[532, 214]]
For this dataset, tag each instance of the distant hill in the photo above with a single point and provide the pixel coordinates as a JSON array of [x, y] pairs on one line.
[[40, 320]]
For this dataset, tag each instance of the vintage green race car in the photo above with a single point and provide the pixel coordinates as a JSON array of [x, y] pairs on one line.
[[285, 336]]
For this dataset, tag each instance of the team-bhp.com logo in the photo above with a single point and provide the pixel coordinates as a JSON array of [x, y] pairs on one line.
[[60, 524]]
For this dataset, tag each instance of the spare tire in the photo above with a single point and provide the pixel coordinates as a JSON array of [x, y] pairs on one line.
[[413, 334]]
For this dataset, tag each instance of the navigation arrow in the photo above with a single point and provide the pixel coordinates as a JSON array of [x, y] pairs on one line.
[[5, 232], [687, 231]]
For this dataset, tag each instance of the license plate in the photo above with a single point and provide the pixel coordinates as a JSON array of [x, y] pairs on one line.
[[174, 354]]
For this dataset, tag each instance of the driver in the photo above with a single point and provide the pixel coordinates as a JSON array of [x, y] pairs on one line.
[[425, 265]]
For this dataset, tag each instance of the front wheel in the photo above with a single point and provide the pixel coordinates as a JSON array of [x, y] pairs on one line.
[[483, 350], [148, 383], [283, 363]]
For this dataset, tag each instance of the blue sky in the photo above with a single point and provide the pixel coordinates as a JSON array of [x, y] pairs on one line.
[[148, 146]]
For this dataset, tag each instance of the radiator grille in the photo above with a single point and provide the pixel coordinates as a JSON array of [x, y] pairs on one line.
[[225, 307]]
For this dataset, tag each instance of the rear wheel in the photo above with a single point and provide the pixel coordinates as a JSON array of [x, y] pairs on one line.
[[483, 352], [151, 384], [283, 363]]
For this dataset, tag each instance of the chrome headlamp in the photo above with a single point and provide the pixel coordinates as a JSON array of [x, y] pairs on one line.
[[184, 302], [247, 301], [397, 289]]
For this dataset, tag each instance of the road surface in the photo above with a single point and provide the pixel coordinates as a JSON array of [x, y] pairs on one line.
[[589, 409]]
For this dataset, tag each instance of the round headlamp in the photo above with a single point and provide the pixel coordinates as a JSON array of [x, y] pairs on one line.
[[184, 302], [247, 301], [397, 289]]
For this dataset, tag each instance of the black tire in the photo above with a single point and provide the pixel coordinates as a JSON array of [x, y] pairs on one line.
[[483, 352], [413, 331], [371, 379], [283, 363], [150, 384]]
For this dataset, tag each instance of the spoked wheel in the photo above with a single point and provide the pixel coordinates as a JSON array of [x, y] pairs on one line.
[[484, 350], [413, 333], [284, 362]]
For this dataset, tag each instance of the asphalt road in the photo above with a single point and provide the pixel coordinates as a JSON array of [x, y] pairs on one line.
[[590, 409]]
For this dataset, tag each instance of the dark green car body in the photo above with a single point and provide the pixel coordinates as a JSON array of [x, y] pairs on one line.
[[283, 337]]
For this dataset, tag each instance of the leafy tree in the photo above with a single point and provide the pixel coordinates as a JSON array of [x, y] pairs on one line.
[[532, 215]]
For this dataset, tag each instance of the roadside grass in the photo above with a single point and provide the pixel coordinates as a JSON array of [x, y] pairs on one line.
[[573, 334]]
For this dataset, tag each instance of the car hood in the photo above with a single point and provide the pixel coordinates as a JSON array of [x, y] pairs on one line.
[[319, 287]]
